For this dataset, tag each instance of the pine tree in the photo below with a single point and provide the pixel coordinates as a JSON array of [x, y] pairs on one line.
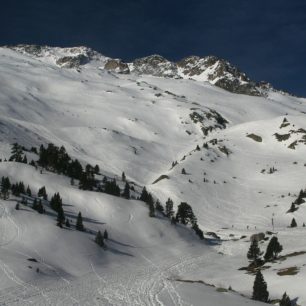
[[151, 209], [60, 216], [67, 223], [260, 292], [158, 206], [56, 202], [185, 214], [292, 208], [169, 208], [254, 251], [183, 171], [16, 153], [123, 177], [25, 160], [285, 301], [126, 191], [97, 169], [144, 195], [105, 235], [99, 239], [293, 223], [173, 220], [198, 231], [273, 249], [42, 193], [40, 207], [29, 192], [35, 204], [5, 186], [79, 223]]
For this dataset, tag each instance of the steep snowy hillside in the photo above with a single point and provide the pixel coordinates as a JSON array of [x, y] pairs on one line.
[[238, 160]]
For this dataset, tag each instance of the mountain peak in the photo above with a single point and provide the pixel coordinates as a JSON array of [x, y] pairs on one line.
[[212, 69]]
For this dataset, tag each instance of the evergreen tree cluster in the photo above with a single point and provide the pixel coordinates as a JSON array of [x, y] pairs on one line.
[[37, 205], [87, 179], [42, 193], [111, 187], [56, 159], [254, 254], [186, 216], [56, 202], [148, 199], [99, 240], [5, 187], [127, 191], [18, 189], [300, 199], [17, 154]]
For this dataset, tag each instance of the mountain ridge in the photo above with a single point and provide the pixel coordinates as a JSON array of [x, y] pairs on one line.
[[212, 69]]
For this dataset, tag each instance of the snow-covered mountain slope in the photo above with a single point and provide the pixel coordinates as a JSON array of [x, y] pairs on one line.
[[212, 69], [140, 124]]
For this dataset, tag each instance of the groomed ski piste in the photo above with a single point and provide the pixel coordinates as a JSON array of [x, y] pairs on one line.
[[141, 125]]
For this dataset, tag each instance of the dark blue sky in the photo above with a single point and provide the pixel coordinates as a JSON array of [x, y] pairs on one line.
[[265, 39]]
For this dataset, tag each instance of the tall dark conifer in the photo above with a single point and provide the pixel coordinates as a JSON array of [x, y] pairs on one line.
[[169, 208], [285, 301], [260, 292], [273, 249], [99, 239], [254, 251], [79, 223], [126, 191]]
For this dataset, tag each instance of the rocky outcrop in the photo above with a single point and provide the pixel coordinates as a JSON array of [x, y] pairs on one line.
[[155, 65], [63, 57], [72, 61], [117, 65], [218, 72], [257, 237]]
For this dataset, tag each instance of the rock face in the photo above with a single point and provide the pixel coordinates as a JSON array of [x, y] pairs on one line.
[[258, 237], [155, 65], [63, 57], [218, 72], [210, 68], [116, 65], [72, 61]]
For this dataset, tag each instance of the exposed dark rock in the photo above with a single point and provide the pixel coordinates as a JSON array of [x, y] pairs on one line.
[[117, 65], [155, 65], [72, 61]]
